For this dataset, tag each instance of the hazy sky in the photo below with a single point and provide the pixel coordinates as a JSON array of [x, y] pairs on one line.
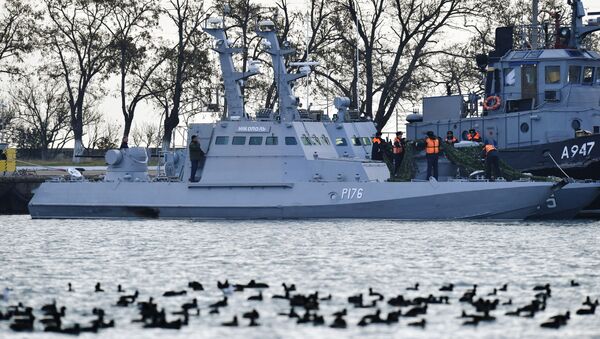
[[147, 113]]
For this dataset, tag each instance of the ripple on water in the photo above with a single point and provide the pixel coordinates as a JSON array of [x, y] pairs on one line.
[[342, 257]]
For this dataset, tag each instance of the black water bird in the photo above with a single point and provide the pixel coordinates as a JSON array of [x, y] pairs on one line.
[[98, 288], [413, 288], [447, 288], [224, 285], [415, 311], [326, 298], [588, 301], [375, 294], [258, 297], [587, 311], [214, 310], [174, 293], [562, 317], [254, 284], [290, 288], [252, 314], [120, 289], [190, 305], [339, 322], [74, 330], [220, 303], [232, 323], [421, 323], [286, 296], [574, 283], [253, 323], [504, 288], [541, 287], [509, 302], [196, 286], [494, 292], [70, 288]]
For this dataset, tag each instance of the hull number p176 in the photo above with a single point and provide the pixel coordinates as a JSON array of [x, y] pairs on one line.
[[352, 193]]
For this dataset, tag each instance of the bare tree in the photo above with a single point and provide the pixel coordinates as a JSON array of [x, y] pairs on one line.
[[17, 29], [41, 114], [137, 59], [78, 38], [147, 135], [188, 59]]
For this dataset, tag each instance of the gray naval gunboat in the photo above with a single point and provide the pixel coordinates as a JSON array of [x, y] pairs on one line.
[[541, 99], [285, 165]]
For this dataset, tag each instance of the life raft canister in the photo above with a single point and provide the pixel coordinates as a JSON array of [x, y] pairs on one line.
[[492, 103]]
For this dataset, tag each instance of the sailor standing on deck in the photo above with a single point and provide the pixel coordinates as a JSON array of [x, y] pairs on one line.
[[492, 160], [398, 149], [377, 149], [432, 152], [196, 154]]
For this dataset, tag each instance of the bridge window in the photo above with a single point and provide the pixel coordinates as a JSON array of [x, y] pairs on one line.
[[291, 141], [239, 141], [341, 142], [222, 140], [271, 141], [255, 141], [366, 141], [325, 139], [306, 140], [574, 74], [316, 140], [510, 76], [356, 141], [588, 75], [553, 74]]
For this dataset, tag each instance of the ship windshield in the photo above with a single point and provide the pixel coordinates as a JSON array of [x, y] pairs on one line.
[[356, 141], [271, 141], [255, 141], [291, 141], [588, 75], [222, 140], [574, 74], [239, 141], [366, 141], [341, 142], [306, 140], [553, 74], [510, 76]]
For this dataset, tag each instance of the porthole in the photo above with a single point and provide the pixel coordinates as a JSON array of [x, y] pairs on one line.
[[524, 127], [576, 124]]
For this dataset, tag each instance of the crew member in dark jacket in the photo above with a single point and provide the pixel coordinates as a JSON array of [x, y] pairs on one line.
[[492, 160], [124, 143], [377, 149], [196, 154]]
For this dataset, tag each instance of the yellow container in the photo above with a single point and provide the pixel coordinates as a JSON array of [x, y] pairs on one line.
[[10, 164]]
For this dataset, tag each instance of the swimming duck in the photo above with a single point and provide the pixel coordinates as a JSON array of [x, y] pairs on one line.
[[447, 288], [174, 293], [232, 323], [98, 288], [258, 297], [421, 323], [413, 288], [196, 286]]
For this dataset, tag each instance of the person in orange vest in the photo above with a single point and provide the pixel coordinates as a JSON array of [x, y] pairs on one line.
[[377, 149], [492, 160], [398, 150], [450, 138], [432, 153], [473, 135]]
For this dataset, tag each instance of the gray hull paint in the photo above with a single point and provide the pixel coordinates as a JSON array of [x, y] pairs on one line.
[[407, 201]]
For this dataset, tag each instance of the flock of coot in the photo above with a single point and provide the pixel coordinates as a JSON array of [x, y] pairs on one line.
[[303, 308]]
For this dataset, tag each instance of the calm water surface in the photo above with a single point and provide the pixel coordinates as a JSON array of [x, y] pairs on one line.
[[341, 257]]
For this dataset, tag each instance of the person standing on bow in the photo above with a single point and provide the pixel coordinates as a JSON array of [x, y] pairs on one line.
[[196, 154], [377, 149], [398, 151], [432, 153]]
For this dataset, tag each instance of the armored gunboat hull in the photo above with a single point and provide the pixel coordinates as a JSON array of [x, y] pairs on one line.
[[176, 200]]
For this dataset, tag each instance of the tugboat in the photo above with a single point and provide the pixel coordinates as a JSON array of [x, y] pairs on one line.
[[285, 165], [541, 105]]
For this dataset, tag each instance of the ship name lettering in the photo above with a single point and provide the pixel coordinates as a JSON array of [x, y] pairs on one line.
[[584, 150], [352, 193]]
